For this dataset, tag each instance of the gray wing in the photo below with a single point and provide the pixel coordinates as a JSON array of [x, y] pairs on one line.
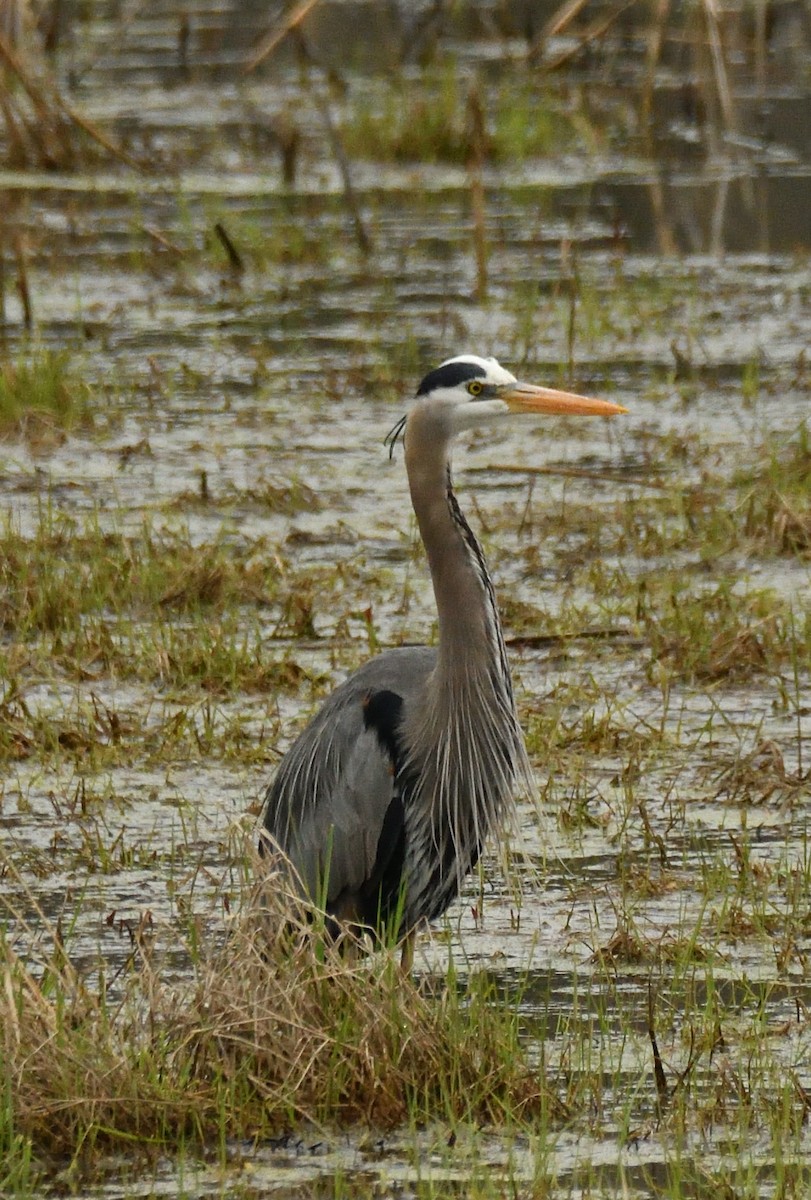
[[328, 802]]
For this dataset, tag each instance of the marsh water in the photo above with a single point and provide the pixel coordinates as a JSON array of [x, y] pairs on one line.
[[669, 269]]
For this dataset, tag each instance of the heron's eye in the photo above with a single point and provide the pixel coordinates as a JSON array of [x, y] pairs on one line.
[[475, 387]]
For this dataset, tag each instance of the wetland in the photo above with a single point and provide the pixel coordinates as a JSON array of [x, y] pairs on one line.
[[207, 328]]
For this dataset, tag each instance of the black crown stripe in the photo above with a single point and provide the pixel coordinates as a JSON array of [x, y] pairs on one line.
[[450, 376]]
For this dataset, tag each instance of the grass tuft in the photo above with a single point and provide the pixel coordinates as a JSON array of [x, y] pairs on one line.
[[41, 395], [428, 120], [719, 633], [268, 1029], [777, 498]]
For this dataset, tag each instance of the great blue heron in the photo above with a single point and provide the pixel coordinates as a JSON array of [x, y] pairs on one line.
[[382, 804]]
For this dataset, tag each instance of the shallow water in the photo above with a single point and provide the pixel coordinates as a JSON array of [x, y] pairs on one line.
[[288, 378]]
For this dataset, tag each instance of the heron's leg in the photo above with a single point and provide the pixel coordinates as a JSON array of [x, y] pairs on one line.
[[407, 953]]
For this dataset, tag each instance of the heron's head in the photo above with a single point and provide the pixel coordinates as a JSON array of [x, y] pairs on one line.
[[467, 391]]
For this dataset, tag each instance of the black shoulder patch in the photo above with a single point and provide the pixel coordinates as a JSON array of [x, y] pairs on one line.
[[450, 376], [381, 712]]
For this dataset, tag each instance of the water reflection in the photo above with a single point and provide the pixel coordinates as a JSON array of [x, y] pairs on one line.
[[765, 211]]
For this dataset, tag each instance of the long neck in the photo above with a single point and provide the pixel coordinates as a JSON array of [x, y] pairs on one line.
[[469, 628], [465, 744]]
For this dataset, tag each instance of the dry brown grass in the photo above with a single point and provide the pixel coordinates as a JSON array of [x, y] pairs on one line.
[[780, 524], [262, 1032], [760, 777], [40, 127]]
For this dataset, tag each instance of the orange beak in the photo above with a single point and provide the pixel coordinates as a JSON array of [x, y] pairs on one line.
[[525, 397]]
